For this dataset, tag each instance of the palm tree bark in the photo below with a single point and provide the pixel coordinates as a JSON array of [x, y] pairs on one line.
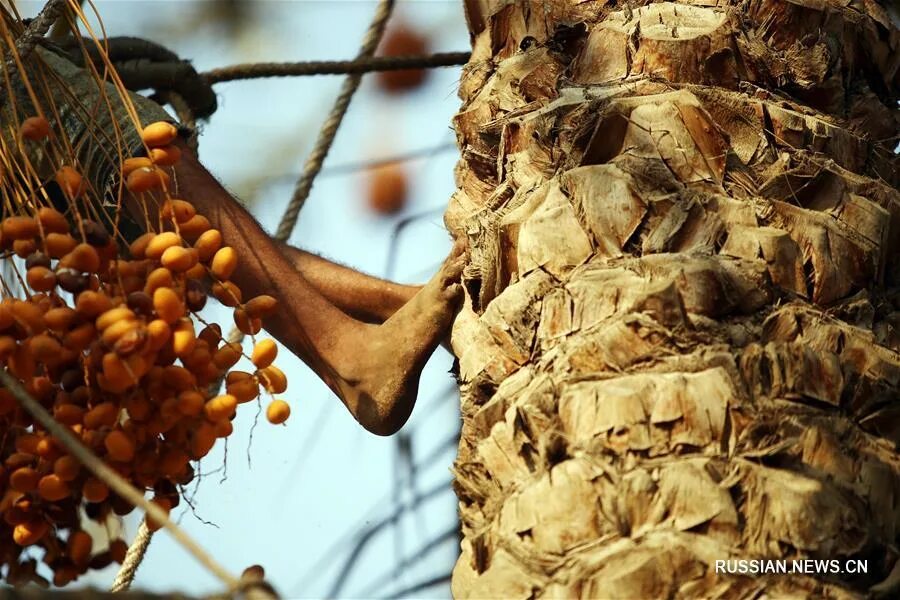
[[681, 335]]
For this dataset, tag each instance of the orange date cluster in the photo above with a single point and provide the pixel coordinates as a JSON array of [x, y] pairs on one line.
[[107, 337]]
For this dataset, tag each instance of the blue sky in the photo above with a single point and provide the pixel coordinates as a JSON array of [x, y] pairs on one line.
[[314, 484]]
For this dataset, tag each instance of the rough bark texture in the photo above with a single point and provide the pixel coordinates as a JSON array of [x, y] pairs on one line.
[[681, 336]]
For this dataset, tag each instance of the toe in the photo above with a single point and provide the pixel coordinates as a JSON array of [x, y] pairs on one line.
[[452, 272], [460, 248]]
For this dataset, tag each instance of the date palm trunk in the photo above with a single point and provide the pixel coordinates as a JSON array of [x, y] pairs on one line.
[[680, 340]]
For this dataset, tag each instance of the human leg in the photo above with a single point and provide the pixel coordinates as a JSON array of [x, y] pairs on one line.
[[361, 296], [374, 369]]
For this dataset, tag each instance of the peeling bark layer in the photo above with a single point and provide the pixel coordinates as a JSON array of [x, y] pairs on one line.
[[680, 341]]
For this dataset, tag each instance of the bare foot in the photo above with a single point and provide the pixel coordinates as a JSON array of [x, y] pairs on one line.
[[374, 369], [378, 367]]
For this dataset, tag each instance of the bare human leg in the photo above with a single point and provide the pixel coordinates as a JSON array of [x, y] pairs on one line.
[[374, 369], [361, 296]]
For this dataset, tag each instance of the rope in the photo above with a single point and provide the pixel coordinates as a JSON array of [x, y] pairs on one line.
[[37, 29], [335, 67], [61, 27], [138, 548], [185, 116], [133, 559], [326, 137], [113, 480], [329, 128], [139, 545]]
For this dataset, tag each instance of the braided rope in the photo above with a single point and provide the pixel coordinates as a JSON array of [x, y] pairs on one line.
[[330, 126], [326, 137], [133, 559], [26, 42], [334, 67], [37, 29]]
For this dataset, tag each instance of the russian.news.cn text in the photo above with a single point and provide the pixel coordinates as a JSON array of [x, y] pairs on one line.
[[807, 566]]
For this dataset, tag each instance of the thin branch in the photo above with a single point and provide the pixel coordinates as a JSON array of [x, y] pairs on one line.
[[419, 553], [37, 593], [349, 168], [354, 167], [335, 67], [393, 248], [422, 585], [371, 531]]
